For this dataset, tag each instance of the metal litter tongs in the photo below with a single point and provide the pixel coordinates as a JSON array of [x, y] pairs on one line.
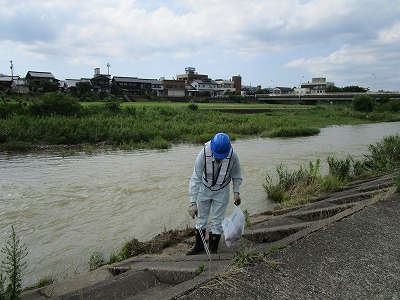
[[203, 238], [204, 243]]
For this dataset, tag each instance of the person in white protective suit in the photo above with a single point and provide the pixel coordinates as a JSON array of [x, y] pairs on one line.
[[215, 167]]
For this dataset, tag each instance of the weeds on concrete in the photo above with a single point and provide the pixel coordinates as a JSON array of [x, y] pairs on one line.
[[274, 248], [155, 245], [96, 260], [228, 278], [134, 247], [42, 282], [293, 188], [246, 218], [200, 269], [246, 257]]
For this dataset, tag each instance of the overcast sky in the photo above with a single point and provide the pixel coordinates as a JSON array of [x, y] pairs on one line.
[[268, 43]]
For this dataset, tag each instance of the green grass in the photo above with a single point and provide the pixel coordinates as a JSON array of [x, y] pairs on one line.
[[246, 257], [158, 125], [205, 105]]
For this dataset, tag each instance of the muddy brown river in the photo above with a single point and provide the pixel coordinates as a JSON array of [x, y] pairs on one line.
[[66, 208]]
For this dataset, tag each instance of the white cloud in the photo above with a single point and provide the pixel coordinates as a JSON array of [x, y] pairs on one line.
[[339, 38], [390, 35]]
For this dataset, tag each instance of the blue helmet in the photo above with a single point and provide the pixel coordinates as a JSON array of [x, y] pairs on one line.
[[220, 145]]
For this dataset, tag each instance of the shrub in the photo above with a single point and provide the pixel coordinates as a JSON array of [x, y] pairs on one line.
[[363, 103], [55, 104], [113, 103], [293, 131], [9, 109], [394, 105], [193, 106]]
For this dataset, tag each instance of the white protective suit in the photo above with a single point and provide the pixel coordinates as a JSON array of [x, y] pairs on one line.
[[213, 201]]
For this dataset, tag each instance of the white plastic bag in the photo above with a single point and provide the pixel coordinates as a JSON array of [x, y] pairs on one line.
[[233, 226]]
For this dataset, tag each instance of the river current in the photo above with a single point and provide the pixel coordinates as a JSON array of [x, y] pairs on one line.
[[66, 208]]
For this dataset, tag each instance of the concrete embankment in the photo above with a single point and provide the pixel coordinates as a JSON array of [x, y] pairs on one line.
[[343, 246]]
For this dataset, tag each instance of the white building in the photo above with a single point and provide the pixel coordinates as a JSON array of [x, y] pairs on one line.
[[317, 85], [225, 87]]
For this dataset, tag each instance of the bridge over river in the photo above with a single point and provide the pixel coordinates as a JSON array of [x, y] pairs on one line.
[[313, 99]]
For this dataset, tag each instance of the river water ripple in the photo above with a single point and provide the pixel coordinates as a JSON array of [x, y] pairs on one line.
[[66, 208]]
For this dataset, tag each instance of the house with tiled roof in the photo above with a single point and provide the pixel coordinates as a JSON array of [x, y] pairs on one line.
[[20, 86], [173, 88], [36, 79], [5, 82], [136, 86], [101, 83], [203, 86]]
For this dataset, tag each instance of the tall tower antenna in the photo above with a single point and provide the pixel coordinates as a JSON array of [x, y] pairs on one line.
[[108, 68]]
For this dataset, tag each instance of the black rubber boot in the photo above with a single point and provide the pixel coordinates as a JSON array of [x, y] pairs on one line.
[[214, 241], [198, 245]]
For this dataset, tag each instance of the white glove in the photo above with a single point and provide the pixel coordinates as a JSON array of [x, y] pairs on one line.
[[192, 209], [237, 199]]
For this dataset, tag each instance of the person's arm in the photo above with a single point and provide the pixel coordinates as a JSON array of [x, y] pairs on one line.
[[236, 174], [197, 177]]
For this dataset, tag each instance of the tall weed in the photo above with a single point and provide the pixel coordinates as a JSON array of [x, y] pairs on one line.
[[13, 266], [340, 168], [300, 186], [294, 186], [384, 155]]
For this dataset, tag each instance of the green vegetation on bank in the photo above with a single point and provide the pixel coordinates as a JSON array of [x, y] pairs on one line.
[[59, 119], [291, 188]]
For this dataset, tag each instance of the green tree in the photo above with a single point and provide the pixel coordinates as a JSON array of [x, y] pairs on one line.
[[48, 87], [13, 265], [363, 103], [333, 89], [83, 89], [354, 89]]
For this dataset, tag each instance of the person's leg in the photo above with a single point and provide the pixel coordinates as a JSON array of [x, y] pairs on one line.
[[219, 207], [203, 211]]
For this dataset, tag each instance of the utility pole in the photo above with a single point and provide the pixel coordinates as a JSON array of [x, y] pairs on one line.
[[373, 74], [12, 70]]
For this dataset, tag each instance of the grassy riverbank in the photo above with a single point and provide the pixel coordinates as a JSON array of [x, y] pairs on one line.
[[307, 183], [59, 121]]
